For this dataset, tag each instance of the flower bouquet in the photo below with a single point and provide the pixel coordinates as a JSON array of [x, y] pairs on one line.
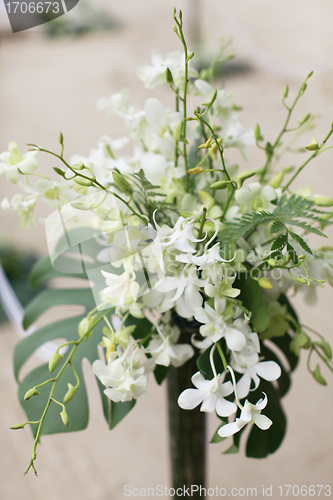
[[187, 260]]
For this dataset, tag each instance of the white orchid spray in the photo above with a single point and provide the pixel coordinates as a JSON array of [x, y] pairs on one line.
[[171, 234]]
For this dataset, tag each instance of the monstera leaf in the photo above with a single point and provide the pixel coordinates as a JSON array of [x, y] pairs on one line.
[[77, 408]]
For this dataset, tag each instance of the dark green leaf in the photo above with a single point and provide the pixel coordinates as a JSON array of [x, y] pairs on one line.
[[251, 297], [301, 242]]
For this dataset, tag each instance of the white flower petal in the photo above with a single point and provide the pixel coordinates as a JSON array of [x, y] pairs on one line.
[[190, 398]]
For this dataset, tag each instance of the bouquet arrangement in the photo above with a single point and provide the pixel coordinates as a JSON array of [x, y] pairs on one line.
[[173, 238]]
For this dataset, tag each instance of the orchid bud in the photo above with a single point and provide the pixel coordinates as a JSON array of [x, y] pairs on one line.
[[304, 119], [285, 92], [195, 170], [78, 166], [30, 393], [190, 56], [69, 394], [323, 201], [82, 205], [18, 426], [313, 146], [257, 133], [64, 417], [59, 171], [219, 185], [53, 363], [85, 325], [301, 280], [120, 181], [168, 76], [277, 179], [302, 89], [265, 283], [326, 348], [318, 376], [84, 182], [271, 262], [211, 98], [61, 138]]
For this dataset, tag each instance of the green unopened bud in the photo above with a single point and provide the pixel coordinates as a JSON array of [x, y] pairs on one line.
[[313, 146], [257, 133], [120, 181], [69, 394], [178, 132], [304, 119], [211, 98], [53, 363], [30, 393], [265, 283], [82, 205], [271, 262], [326, 348], [174, 28], [301, 257], [318, 376], [300, 341], [84, 182], [285, 92], [195, 170], [78, 166], [16, 427], [219, 185], [243, 176], [309, 75], [302, 89], [61, 138], [168, 76], [301, 280], [64, 417], [85, 325], [59, 171], [269, 150], [190, 56], [323, 201], [277, 179], [284, 261]]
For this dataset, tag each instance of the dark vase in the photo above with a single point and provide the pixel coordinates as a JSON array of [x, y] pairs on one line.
[[187, 428]]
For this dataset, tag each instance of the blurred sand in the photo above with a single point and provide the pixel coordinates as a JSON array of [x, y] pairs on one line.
[[52, 85]]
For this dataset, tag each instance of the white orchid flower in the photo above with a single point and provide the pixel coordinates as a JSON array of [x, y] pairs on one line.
[[121, 288], [186, 296], [247, 362], [155, 74], [181, 235], [166, 351], [124, 375], [210, 393], [11, 162], [23, 208], [215, 328], [250, 414], [256, 197]]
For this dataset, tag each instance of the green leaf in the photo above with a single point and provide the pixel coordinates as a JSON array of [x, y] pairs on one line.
[[49, 298], [301, 242], [161, 373], [203, 363], [232, 450], [279, 243], [251, 297], [120, 410], [217, 438]]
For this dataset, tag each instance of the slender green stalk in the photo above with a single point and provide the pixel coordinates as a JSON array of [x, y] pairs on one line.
[[55, 381]]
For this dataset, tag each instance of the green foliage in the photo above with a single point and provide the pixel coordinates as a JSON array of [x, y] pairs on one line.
[[288, 212], [77, 408]]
